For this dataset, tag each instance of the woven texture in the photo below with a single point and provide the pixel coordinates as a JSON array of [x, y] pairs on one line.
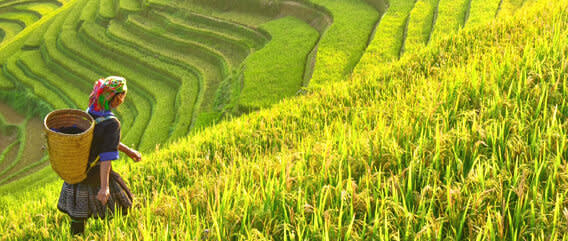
[[69, 153]]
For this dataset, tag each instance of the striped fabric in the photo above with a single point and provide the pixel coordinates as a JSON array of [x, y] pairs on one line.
[[80, 200]]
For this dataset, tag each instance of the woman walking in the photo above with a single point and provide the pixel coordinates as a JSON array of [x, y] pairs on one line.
[[103, 192]]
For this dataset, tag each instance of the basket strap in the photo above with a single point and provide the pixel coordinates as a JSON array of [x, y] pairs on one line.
[[94, 163]]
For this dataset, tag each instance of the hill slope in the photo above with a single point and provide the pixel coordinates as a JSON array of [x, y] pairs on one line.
[[464, 140]]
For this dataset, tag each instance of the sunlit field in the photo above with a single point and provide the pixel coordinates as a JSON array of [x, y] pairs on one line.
[[298, 120]]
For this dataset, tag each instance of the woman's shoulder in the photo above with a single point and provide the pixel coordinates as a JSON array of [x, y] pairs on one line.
[[110, 124]]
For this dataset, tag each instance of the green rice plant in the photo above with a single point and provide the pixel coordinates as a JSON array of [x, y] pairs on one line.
[[26, 16], [451, 17], [107, 9], [239, 33], [33, 58], [197, 66], [10, 149], [131, 5], [342, 45], [256, 38], [10, 28], [482, 11], [194, 50], [32, 64], [13, 45], [231, 16], [5, 83], [197, 48], [42, 8], [13, 72], [389, 36], [10, 164], [72, 21], [36, 37], [420, 24], [270, 74], [169, 74], [234, 50], [37, 179], [89, 12], [465, 140], [24, 171], [509, 7], [29, 156]]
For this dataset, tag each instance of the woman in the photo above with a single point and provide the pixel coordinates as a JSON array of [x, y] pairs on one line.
[[103, 191]]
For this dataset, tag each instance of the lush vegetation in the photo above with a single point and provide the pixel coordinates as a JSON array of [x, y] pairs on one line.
[[451, 16], [420, 24], [461, 138], [482, 11], [343, 45], [17, 15], [389, 36], [270, 75]]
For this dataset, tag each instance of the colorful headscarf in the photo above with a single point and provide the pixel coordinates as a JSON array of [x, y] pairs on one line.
[[104, 90]]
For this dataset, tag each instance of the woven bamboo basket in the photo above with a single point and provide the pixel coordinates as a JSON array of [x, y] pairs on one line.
[[69, 153]]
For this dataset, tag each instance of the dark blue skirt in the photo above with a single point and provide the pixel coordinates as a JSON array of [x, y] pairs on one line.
[[79, 200]]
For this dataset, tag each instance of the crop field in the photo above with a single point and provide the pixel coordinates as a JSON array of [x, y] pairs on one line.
[[298, 120], [17, 15]]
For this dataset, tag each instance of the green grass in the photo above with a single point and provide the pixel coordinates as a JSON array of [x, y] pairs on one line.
[[509, 7], [451, 17], [10, 28], [420, 24], [232, 50], [342, 45], [272, 74], [389, 37], [250, 37], [42, 8], [12, 71], [29, 156], [107, 8], [5, 83], [464, 141], [27, 17], [131, 5], [33, 63], [192, 49], [250, 18], [482, 11]]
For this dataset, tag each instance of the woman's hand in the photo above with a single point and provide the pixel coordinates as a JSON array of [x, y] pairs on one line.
[[103, 195], [133, 154], [136, 156]]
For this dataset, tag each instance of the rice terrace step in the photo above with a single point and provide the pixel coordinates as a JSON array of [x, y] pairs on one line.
[[297, 119]]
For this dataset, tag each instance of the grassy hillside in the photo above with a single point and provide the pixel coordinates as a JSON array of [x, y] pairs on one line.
[[175, 88], [465, 140]]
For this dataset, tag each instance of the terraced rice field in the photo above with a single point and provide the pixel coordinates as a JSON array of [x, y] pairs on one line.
[[186, 64], [398, 131], [17, 15], [409, 25], [192, 65], [20, 145]]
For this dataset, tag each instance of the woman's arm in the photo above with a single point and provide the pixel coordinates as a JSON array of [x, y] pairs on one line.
[[104, 192], [133, 154]]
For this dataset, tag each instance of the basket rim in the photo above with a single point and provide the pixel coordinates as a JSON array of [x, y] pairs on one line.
[[68, 110]]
